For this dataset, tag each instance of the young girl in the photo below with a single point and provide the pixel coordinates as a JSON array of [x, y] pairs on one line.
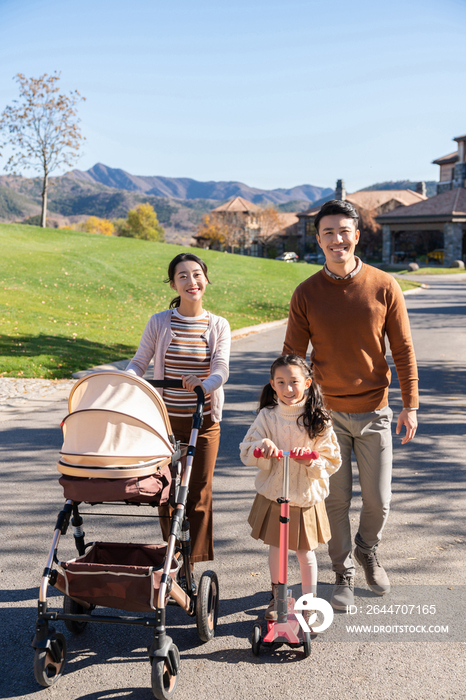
[[191, 344], [291, 417]]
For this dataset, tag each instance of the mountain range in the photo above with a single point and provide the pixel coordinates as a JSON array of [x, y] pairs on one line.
[[185, 188], [180, 203]]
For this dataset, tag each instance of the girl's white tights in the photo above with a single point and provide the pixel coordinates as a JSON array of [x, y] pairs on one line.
[[307, 564]]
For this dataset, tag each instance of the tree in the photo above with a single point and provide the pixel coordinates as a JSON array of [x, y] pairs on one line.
[[211, 232], [270, 224], [142, 223], [370, 242], [42, 129], [236, 229], [95, 225]]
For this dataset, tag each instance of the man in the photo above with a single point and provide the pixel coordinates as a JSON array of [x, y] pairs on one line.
[[346, 310]]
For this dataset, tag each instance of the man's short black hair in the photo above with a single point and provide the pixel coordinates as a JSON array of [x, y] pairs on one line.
[[337, 206]]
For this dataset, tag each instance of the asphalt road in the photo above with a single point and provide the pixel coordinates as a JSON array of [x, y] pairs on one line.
[[423, 550]]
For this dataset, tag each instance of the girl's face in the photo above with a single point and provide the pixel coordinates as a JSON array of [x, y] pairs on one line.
[[189, 281], [290, 384]]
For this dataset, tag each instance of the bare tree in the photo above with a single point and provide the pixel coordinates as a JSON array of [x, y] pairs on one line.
[[42, 129], [270, 224]]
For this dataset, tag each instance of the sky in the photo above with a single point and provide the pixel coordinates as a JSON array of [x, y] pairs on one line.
[[272, 93]]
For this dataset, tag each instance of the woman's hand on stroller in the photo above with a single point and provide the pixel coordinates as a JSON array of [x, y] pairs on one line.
[[267, 450], [190, 381]]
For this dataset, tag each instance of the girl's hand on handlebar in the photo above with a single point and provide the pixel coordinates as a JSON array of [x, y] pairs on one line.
[[190, 381], [269, 449], [304, 455]]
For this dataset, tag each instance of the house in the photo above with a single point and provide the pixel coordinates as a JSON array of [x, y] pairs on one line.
[[452, 167], [437, 225], [251, 229]]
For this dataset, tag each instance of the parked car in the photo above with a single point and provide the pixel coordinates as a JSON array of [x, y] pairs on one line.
[[288, 257], [314, 258]]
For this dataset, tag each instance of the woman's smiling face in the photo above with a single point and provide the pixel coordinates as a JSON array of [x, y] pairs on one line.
[[189, 281]]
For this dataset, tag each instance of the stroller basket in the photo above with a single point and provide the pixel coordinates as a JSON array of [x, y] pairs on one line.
[[122, 576]]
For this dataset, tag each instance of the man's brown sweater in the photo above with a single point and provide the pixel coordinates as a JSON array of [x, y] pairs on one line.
[[346, 322]]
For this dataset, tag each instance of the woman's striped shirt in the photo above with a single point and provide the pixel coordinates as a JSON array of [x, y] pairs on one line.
[[188, 353]]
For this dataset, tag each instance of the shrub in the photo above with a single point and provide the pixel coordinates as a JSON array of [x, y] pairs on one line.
[[142, 223]]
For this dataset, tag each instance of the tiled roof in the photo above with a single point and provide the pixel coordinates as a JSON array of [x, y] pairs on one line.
[[460, 138], [238, 204], [447, 204], [373, 199], [444, 160]]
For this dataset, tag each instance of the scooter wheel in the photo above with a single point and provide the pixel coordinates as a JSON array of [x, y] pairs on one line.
[[256, 639]]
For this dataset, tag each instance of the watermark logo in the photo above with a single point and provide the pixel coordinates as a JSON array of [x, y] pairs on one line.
[[310, 602]]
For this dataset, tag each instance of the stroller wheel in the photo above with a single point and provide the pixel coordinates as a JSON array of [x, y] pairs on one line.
[[70, 607], [307, 644], [49, 663], [207, 606], [256, 639], [163, 681]]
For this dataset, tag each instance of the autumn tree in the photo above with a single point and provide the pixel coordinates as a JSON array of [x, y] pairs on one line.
[[211, 231], [41, 128], [142, 223], [96, 225]]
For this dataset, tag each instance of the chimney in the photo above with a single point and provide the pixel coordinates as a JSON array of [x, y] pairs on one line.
[[421, 188], [340, 192]]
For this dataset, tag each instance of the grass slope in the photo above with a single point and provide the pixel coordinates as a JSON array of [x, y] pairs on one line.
[[70, 300]]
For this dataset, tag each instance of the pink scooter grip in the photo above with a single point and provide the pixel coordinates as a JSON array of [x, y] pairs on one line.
[[307, 454]]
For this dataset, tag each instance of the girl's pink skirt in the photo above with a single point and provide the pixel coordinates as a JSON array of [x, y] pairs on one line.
[[308, 526]]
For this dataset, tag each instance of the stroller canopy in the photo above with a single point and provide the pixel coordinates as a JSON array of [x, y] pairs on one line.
[[117, 427]]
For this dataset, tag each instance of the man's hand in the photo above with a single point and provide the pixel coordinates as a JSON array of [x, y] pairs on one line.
[[409, 419]]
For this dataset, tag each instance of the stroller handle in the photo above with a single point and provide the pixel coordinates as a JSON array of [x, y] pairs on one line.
[[177, 384]]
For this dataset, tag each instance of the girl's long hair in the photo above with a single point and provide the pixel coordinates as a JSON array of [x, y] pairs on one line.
[[314, 417], [172, 268]]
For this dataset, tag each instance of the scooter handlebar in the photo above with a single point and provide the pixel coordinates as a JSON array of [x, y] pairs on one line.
[[306, 454]]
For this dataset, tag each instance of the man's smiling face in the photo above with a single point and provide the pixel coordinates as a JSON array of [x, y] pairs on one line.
[[338, 238]]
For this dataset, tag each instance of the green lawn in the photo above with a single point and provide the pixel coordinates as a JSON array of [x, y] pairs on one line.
[[425, 270], [436, 271], [71, 300]]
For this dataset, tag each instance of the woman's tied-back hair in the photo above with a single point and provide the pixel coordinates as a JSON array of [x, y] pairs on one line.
[[314, 417], [172, 268]]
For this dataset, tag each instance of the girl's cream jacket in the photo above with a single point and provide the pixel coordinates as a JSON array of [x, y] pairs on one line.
[[308, 485]]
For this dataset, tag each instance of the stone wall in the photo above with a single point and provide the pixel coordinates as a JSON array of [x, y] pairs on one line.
[[453, 236]]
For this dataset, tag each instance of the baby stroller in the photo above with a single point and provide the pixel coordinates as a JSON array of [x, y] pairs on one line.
[[119, 450]]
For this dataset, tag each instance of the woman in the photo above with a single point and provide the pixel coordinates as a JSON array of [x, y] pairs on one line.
[[189, 343]]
